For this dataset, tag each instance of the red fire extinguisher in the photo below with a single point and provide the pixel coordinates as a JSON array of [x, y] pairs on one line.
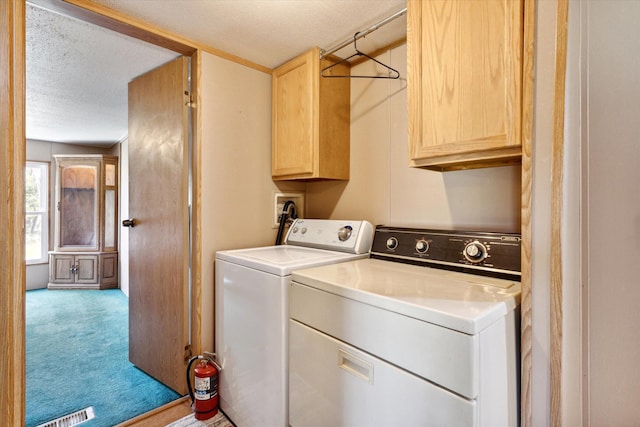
[[205, 375]]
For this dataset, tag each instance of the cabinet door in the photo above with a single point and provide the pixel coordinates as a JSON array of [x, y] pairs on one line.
[[61, 269], [78, 205], [87, 268], [294, 125], [465, 80], [109, 270]]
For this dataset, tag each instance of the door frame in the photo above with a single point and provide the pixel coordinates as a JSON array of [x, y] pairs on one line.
[[12, 164], [13, 160]]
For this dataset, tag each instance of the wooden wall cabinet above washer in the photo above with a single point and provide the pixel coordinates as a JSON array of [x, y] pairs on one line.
[[465, 80], [311, 120]]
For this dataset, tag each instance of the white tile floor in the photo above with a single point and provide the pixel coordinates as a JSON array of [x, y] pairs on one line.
[[189, 421]]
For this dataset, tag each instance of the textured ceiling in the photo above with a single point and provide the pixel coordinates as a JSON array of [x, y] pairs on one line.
[[77, 76], [77, 73], [267, 32]]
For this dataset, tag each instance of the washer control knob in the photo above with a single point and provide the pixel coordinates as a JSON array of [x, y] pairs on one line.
[[422, 246], [344, 233], [392, 243], [475, 252]]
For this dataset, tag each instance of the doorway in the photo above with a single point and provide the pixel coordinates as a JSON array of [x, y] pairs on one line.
[[123, 238]]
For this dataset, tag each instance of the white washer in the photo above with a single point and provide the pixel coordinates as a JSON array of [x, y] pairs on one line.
[[252, 311], [380, 343]]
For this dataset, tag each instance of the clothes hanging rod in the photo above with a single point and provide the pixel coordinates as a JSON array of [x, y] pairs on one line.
[[361, 34]]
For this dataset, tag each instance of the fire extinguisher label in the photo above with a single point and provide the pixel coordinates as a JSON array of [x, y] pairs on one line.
[[205, 388]]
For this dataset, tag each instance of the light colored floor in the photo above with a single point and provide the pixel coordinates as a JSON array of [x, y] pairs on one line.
[[177, 414], [219, 420]]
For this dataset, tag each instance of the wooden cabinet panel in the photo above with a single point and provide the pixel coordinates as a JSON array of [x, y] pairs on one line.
[[61, 269], [311, 119], [83, 270], [293, 95], [86, 269], [109, 270], [465, 82]]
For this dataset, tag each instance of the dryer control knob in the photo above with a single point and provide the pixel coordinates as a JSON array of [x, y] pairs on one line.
[[392, 243], [422, 246], [475, 252], [344, 233]]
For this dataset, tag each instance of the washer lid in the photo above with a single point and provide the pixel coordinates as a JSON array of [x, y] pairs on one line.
[[464, 302], [282, 259]]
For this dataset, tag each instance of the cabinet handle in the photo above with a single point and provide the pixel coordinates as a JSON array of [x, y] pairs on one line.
[[74, 269]]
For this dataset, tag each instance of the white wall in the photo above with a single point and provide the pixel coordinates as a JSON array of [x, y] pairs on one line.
[[37, 275], [123, 236], [572, 224], [237, 190], [601, 215], [385, 190], [612, 249]]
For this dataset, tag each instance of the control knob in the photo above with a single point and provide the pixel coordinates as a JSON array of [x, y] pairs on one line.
[[344, 233], [422, 246], [392, 243], [475, 252]]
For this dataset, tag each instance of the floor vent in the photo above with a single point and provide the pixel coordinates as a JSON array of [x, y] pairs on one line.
[[72, 419]]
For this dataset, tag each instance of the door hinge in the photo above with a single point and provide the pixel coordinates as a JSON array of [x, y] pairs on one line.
[[188, 353], [189, 100]]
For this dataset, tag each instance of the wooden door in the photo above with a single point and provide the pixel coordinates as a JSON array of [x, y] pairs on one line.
[[158, 187]]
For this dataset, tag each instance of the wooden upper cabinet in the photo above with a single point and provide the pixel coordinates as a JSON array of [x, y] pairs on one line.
[[465, 62], [311, 118]]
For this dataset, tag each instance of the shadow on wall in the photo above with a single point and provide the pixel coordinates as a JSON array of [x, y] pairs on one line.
[[472, 194], [330, 192], [384, 97]]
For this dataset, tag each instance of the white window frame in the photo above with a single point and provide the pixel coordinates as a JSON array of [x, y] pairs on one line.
[[42, 211]]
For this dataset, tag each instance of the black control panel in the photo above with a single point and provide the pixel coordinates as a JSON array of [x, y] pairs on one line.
[[485, 253]]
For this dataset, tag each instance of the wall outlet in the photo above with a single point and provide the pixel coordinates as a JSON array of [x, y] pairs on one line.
[[279, 199]]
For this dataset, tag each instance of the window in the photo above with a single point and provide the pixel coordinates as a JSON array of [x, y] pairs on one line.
[[37, 212]]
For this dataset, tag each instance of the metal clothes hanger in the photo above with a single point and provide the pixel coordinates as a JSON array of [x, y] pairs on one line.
[[393, 73]]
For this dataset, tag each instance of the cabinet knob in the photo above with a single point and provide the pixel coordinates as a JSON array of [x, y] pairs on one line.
[[131, 222]]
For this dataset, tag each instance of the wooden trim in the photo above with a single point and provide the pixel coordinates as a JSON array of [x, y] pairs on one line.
[[163, 415], [105, 17], [12, 163], [555, 250], [196, 203], [527, 211]]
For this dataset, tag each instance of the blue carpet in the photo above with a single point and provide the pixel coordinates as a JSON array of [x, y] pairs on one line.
[[78, 356]]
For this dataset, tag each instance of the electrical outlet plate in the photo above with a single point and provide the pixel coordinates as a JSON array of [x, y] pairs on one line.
[[279, 200]]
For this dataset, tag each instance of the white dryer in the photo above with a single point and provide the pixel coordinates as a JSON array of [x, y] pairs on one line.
[[252, 312], [424, 333]]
